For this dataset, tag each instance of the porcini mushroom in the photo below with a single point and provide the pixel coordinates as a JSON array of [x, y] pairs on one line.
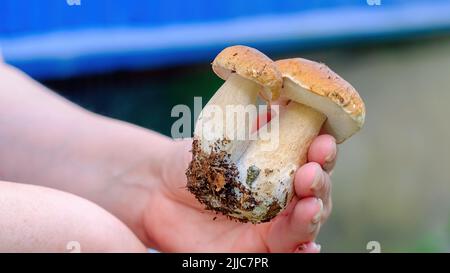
[[317, 86], [240, 178], [247, 73]]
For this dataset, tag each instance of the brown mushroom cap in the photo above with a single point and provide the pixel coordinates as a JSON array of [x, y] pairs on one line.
[[250, 64], [316, 85]]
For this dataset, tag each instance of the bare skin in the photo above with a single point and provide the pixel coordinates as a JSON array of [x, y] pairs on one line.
[[137, 176], [39, 219]]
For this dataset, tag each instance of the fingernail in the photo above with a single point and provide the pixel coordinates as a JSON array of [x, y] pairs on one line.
[[302, 247], [317, 177], [330, 161], [316, 219], [317, 247]]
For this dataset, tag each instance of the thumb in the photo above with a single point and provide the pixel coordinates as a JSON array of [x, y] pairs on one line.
[[175, 166]]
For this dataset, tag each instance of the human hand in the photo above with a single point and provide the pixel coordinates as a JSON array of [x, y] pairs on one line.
[[175, 221], [139, 176]]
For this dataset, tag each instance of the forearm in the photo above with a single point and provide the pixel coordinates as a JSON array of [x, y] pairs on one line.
[[49, 141], [38, 219]]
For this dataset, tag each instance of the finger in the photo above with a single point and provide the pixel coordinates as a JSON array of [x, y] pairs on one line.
[[173, 173], [299, 227], [282, 101], [310, 247], [309, 181], [312, 181], [177, 162], [323, 150], [262, 119]]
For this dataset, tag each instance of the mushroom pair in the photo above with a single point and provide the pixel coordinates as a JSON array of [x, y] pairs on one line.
[[241, 178]]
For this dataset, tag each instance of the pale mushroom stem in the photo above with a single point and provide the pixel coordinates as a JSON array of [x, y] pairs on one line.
[[298, 126], [237, 92]]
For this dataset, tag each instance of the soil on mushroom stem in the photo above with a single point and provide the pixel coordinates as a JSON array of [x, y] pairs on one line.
[[213, 179]]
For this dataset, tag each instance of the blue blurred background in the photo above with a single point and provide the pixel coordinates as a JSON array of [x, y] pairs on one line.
[[134, 60], [60, 38]]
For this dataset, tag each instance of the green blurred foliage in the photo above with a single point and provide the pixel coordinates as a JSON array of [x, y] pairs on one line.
[[391, 183]]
